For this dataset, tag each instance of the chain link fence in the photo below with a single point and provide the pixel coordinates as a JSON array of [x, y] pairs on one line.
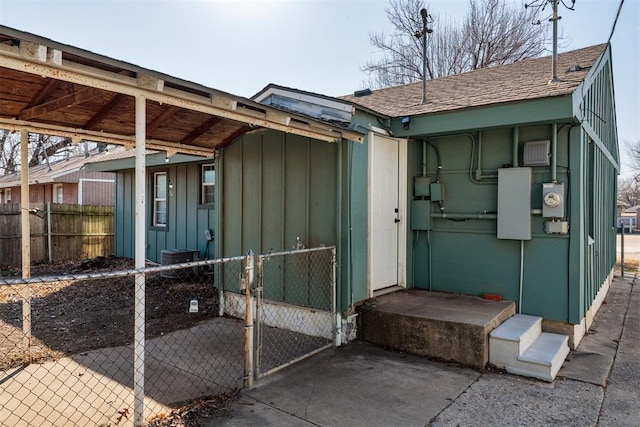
[[295, 299], [70, 353]]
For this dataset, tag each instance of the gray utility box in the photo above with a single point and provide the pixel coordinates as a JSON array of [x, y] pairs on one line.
[[421, 215], [553, 200], [514, 203]]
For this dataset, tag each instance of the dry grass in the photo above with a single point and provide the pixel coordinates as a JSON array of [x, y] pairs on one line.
[[630, 265]]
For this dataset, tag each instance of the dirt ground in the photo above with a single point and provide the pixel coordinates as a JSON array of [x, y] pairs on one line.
[[76, 316]]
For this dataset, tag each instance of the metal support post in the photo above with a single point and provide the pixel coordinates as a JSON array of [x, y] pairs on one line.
[[140, 245], [26, 243], [248, 330]]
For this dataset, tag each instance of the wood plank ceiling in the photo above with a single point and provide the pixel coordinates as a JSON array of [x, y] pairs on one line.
[[42, 88]]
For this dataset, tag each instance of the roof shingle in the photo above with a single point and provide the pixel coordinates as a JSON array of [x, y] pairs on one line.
[[518, 81]]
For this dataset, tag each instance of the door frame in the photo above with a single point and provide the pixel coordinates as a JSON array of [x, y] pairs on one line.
[[402, 211]]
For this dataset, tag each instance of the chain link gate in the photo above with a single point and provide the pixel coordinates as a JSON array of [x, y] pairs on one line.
[[295, 298], [67, 342]]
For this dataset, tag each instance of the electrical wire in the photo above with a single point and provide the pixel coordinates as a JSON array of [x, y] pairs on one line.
[[615, 21]]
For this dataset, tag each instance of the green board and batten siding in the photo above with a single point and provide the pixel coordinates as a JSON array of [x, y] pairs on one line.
[[594, 106], [275, 188], [562, 273], [183, 230]]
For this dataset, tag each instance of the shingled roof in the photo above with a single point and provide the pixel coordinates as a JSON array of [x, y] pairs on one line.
[[519, 81]]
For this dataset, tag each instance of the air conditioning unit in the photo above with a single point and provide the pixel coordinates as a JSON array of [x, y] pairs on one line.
[[178, 256]]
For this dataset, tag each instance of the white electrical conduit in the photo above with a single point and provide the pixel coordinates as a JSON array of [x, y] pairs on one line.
[[521, 276]]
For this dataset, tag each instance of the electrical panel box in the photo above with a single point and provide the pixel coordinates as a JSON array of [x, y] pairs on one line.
[[553, 200], [437, 192], [421, 186], [420, 215], [514, 203]]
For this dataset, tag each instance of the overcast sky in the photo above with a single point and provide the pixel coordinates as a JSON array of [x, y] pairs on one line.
[[316, 45]]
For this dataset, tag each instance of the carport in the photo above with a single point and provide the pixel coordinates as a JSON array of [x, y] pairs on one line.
[[55, 89]]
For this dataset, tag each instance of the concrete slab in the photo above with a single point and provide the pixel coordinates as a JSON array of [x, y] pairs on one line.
[[249, 412], [361, 384], [591, 362], [436, 324], [621, 405], [91, 388], [506, 400]]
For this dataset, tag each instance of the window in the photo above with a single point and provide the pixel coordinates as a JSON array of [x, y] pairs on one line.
[[7, 195], [57, 193], [208, 184], [160, 199]]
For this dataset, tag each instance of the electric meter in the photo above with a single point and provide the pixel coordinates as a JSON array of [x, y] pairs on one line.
[[552, 199]]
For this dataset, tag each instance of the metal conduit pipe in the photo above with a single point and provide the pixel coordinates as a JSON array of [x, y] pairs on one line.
[[424, 157], [516, 141], [521, 276], [479, 215], [554, 152]]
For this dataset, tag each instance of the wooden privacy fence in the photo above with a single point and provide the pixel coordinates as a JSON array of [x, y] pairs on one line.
[[58, 232]]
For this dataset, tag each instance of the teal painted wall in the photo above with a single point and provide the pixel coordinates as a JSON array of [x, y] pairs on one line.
[[562, 274], [465, 256], [187, 219], [277, 188]]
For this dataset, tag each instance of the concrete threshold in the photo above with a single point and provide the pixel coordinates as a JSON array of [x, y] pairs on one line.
[[435, 324]]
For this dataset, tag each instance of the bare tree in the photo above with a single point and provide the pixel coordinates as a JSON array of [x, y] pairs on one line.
[[629, 191], [633, 159], [42, 149], [492, 33]]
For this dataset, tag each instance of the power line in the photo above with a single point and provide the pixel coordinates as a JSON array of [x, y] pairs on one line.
[[615, 21]]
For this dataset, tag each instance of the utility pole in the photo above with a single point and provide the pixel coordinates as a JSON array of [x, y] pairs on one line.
[[554, 55], [425, 20]]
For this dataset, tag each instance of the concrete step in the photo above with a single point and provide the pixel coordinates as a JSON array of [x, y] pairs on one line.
[[519, 346], [435, 324]]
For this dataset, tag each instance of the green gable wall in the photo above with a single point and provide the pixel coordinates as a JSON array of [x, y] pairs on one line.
[[561, 273]]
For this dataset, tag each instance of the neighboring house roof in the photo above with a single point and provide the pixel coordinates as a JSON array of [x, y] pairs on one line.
[[126, 159], [54, 171], [523, 80], [632, 209]]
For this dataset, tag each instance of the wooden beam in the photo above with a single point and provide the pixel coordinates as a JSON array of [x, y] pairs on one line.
[[229, 139], [75, 98], [103, 112], [162, 118], [77, 135], [217, 103], [44, 93], [200, 130]]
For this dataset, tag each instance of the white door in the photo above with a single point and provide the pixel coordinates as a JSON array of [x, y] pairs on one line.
[[387, 201]]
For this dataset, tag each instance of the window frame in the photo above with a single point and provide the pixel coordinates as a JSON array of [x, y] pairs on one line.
[[154, 207], [204, 185], [54, 194]]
